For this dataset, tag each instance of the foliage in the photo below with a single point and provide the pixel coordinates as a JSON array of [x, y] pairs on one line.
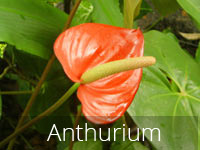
[[84, 13], [131, 10], [192, 8], [37, 23], [162, 100], [145, 8], [128, 146], [198, 54], [166, 7], [169, 94], [87, 145], [103, 13], [2, 49]]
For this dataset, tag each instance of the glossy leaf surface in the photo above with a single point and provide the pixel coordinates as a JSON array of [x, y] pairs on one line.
[[31, 26], [85, 46], [158, 104]]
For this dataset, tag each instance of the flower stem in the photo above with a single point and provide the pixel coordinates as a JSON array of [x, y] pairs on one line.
[[78, 116], [43, 77], [118, 66], [15, 92], [32, 98], [72, 13], [42, 115], [124, 122]]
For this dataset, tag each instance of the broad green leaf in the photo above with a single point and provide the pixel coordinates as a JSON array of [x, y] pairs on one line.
[[131, 10], [107, 12], [198, 54], [192, 7], [165, 7], [31, 26], [87, 145], [156, 96], [128, 145]]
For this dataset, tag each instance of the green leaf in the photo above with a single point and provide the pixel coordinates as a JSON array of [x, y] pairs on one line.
[[192, 7], [87, 145], [197, 57], [53, 1], [107, 12], [63, 144], [52, 89], [2, 49], [83, 13], [165, 7], [31, 69], [131, 10], [157, 97], [128, 145], [31, 26]]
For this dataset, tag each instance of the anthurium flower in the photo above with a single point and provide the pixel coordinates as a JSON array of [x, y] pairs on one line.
[[86, 46]]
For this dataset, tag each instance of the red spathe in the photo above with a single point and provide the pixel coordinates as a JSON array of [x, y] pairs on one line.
[[87, 45]]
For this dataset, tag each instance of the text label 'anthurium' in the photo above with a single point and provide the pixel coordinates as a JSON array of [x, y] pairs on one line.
[[84, 47]]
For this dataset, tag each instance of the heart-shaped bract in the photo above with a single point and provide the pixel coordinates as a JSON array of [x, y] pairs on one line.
[[85, 46]]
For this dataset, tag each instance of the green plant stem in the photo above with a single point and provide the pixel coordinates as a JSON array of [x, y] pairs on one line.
[[15, 92], [78, 116], [42, 115], [4, 72], [124, 122], [131, 10], [22, 137], [43, 77], [72, 13], [32, 98]]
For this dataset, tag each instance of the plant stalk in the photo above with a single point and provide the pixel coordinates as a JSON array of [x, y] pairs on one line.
[[43, 77], [71, 15], [32, 98], [15, 92], [128, 64], [78, 116], [125, 123], [42, 115]]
